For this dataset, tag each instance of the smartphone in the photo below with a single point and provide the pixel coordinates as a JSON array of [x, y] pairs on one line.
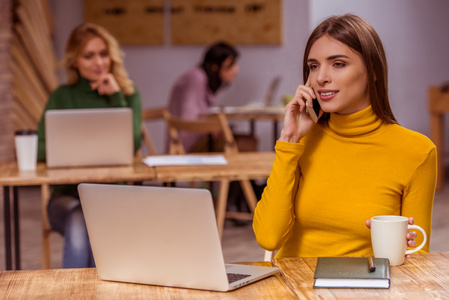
[[315, 111]]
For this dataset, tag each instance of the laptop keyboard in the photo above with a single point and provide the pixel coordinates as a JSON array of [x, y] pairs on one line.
[[232, 277]]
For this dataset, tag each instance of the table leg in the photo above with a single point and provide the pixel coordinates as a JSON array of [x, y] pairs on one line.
[[7, 227], [16, 227], [46, 228], [220, 211]]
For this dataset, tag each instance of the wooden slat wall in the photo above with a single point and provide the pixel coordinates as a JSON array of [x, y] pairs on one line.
[[6, 116], [27, 68], [33, 62]]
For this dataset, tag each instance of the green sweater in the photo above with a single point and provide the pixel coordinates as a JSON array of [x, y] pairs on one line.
[[80, 96]]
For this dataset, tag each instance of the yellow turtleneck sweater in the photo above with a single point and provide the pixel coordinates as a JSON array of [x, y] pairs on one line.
[[343, 172]]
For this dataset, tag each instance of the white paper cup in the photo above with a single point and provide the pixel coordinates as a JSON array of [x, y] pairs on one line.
[[388, 238], [26, 149]]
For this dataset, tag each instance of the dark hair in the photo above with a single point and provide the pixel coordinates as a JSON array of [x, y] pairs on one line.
[[212, 62], [360, 36]]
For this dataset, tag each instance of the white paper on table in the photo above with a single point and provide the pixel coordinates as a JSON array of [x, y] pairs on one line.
[[184, 160]]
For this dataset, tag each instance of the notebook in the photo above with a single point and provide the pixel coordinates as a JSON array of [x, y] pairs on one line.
[[89, 137], [163, 236], [351, 272]]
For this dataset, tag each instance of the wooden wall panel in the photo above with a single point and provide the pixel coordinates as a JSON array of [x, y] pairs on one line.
[[251, 22], [27, 68], [34, 63], [132, 22], [6, 116]]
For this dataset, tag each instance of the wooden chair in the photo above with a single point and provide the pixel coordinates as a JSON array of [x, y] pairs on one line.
[[212, 124], [148, 115]]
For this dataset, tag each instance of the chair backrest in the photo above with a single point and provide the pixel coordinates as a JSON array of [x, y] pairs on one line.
[[151, 114], [213, 124]]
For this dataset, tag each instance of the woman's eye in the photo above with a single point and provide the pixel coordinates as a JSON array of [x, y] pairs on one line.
[[88, 56], [104, 54], [339, 64], [312, 67]]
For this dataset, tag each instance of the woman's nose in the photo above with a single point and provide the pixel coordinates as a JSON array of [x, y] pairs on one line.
[[98, 60], [323, 75]]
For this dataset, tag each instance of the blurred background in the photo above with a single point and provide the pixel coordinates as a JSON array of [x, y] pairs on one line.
[[414, 33]]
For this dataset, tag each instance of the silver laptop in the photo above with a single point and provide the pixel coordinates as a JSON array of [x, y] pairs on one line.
[[89, 137], [160, 236], [272, 89]]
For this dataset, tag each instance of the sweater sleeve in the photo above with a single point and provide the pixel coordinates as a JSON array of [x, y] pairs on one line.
[[132, 101], [52, 103], [417, 201], [274, 215], [190, 96]]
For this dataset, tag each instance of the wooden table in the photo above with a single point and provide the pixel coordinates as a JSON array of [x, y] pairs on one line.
[[247, 165], [241, 166], [438, 102], [425, 276], [11, 178], [85, 284]]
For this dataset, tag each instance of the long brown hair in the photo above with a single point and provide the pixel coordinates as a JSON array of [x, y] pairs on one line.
[[76, 43], [213, 61], [360, 36]]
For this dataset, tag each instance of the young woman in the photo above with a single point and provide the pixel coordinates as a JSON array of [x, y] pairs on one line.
[[195, 91], [96, 79], [329, 177]]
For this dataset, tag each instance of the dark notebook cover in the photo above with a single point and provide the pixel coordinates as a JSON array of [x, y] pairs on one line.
[[351, 272]]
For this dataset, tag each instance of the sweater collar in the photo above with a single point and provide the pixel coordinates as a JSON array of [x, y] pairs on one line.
[[84, 84], [356, 124]]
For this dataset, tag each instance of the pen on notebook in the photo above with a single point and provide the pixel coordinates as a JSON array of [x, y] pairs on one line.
[[372, 266]]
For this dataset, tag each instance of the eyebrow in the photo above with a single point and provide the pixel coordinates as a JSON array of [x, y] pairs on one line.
[[329, 58]]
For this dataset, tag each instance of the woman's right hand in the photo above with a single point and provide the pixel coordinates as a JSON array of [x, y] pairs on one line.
[[105, 85], [297, 121]]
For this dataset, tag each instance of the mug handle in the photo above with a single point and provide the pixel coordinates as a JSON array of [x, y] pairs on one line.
[[410, 251]]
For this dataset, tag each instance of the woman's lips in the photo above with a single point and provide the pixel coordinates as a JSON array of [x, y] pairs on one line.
[[327, 94]]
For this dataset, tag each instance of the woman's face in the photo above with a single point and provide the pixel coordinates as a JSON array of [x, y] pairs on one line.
[[338, 76], [229, 69], [94, 60]]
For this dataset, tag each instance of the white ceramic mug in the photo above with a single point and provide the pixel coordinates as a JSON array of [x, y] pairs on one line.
[[26, 149], [388, 238]]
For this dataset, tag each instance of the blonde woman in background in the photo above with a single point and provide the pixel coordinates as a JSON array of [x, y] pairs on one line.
[[96, 79]]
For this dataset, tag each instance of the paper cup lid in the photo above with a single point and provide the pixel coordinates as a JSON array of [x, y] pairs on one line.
[[25, 132]]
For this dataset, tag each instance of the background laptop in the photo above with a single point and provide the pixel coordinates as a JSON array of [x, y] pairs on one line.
[[271, 92], [89, 137], [160, 236]]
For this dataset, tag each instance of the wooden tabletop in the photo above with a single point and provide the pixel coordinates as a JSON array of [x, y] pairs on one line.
[[243, 165], [10, 175], [85, 284], [424, 276]]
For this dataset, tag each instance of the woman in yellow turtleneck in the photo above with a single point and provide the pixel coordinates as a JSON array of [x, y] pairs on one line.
[[329, 177]]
